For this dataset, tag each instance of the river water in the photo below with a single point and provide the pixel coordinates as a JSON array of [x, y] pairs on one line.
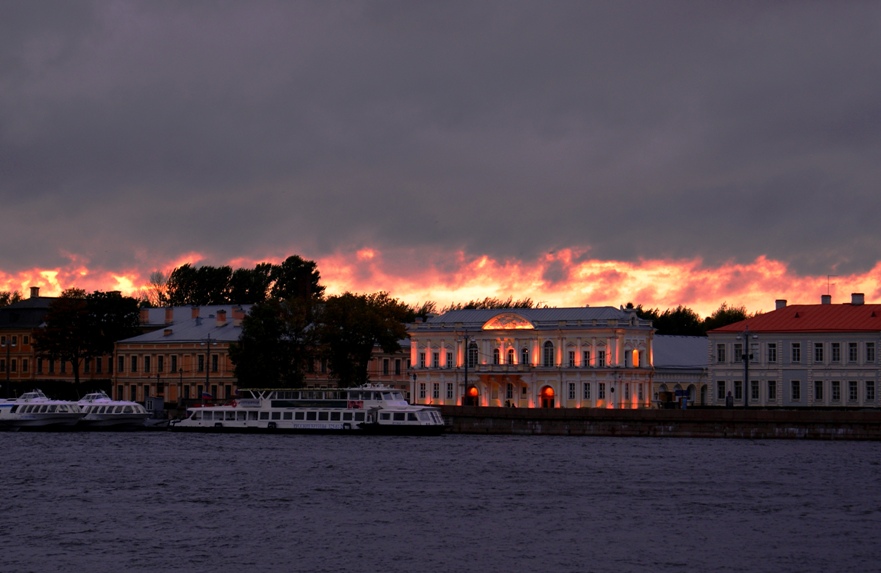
[[105, 502]]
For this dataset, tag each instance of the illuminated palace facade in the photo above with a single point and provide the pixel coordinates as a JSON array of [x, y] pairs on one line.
[[533, 358]]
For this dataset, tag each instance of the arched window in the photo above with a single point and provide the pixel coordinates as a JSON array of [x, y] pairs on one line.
[[472, 355], [548, 354], [524, 356], [496, 357], [510, 359]]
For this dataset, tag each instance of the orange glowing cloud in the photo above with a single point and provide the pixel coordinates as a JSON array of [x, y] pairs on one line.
[[562, 278]]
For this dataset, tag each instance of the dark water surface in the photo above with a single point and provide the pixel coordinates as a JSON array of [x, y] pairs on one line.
[[182, 502]]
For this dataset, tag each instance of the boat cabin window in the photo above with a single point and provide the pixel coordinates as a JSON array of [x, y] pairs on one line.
[[311, 415], [299, 415], [230, 416], [288, 415], [347, 416], [335, 416], [197, 415], [264, 415], [385, 416], [400, 416], [411, 417], [359, 416], [252, 415], [241, 416], [276, 415], [322, 415]]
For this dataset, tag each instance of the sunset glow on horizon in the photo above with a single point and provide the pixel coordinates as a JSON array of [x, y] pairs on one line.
[[561, 279]]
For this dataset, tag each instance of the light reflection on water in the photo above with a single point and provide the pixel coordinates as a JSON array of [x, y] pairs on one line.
[[165, 501]]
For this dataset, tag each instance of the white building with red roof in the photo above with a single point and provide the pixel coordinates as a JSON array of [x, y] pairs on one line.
[[797, 356]]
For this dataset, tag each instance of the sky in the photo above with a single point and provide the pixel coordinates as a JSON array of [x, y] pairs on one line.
[[574, 153]]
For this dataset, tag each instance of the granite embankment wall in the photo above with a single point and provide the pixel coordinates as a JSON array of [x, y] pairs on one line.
[[692, 423]]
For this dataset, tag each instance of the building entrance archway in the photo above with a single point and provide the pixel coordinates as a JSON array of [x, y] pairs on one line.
[[546, 397]]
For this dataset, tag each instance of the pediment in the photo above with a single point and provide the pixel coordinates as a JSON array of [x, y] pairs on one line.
[[508, 321]]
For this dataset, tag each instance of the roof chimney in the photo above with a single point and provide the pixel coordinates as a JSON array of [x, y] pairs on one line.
[[780, 303], [35, 292], [857, 298], [144, 317], [194, 312], [826, 299], [221, 317], [169, 315], [238, 314]]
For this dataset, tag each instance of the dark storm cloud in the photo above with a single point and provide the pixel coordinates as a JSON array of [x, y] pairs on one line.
[[630, 129]]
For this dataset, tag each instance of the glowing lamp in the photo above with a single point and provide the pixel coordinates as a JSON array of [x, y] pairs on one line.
[[472, 391], [548, 392]]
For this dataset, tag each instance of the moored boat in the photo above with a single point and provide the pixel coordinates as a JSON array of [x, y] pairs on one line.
[[363, 410], [102, 412], [34, 410]]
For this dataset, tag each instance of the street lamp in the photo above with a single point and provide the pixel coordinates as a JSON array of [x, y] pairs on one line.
[[746, 356], [9, 344], [207, 345]]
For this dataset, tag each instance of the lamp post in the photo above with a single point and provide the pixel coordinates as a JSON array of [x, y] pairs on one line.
[[207, 344], [8, 344], [747, 354]]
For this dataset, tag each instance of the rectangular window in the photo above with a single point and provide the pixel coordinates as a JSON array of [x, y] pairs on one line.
[[201, 363], [134, 393], [146, 363], [796, 352], [836, 352], [435, 359], [174, 362], [720, 353], [51, 367], [63, 365], [851, 351], [870, 391], [754, 390], [24, 364], [25, 340], [397, 367], [160, 363], [214, 358], [585, 359], [818, 390], [87, 366], [795, 387], [772, 352], [422, 390], [571, 390], [449, 390], [421, 360], [385, 366], [601, 359], [772, 391], [586, 391], [134, 363], [13, 365], [99, 365], [853, 394], [738, 352], [818, 352], [571, 359], [435, 391], [39, 365], [450, 363], [870, 352], [720, 390], [836, 391], [639, 392], [738, 390], [601, 391], [509, 391]]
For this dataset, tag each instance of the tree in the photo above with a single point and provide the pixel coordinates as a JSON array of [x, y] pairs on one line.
[[492, 303], [351, 325], [9, 297], [682, 321], [78, 326], [296, 278], [277, 343], [723, 316], [250, 286]]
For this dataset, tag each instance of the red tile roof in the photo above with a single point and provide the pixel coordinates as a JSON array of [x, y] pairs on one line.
[[813, 318]]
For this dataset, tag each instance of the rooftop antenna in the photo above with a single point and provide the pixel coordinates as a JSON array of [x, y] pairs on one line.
[[829, 282]]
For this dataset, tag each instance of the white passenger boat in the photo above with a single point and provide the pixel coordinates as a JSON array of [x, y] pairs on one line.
[[33, 410], [102, 412], [362, 410]]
